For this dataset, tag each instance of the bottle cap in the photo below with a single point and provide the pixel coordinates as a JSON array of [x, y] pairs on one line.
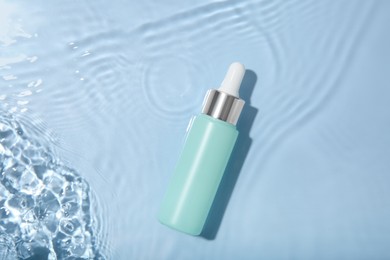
[[224, 103]]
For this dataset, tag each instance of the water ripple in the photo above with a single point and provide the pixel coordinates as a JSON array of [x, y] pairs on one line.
[[102, 58], [293, 110], [163, 41], [126, 87], [45, 206], [172, 97]]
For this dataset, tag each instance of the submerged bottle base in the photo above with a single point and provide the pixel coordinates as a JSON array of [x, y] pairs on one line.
[[190, 230]]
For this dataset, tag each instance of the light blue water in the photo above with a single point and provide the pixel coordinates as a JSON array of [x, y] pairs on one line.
[[104, 90], [44, 206]]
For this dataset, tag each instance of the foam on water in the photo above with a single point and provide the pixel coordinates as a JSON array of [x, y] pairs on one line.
[[44, 205]]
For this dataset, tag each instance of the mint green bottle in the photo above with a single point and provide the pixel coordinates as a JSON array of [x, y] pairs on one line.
[[210, 140]]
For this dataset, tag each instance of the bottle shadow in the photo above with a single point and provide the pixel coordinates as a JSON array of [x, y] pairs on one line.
[[236, 162]]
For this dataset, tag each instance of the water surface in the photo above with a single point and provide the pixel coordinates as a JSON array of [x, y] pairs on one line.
[[108, 87]]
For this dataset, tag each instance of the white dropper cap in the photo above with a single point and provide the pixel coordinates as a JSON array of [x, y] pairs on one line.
[[232, 81]]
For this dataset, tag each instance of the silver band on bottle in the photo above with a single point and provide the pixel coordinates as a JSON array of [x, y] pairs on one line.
[[222, 106]]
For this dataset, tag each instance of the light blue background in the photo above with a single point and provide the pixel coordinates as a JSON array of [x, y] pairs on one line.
[[112, 85]]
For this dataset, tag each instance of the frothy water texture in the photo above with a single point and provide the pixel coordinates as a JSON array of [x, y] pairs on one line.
[[44, 205], [104, 91]]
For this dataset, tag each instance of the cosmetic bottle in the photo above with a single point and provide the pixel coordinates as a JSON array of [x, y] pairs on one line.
[[210, 139]]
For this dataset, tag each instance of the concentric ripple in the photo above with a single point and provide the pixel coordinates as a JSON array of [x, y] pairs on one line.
[[170, 96], [44, 205]]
